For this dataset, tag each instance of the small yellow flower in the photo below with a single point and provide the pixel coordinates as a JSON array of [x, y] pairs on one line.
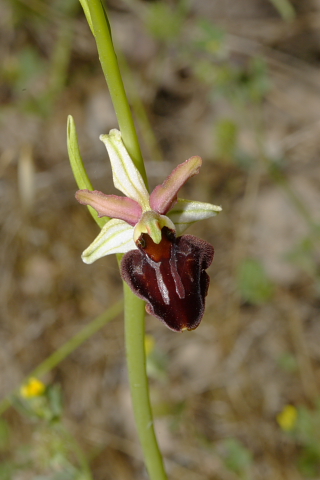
[[33, 388], [149, 344], [287, 419]]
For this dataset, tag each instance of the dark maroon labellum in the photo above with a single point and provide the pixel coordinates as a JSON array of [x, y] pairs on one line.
[[171, 277]]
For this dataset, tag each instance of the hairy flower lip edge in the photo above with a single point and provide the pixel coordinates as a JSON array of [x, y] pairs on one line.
[[206, 252]]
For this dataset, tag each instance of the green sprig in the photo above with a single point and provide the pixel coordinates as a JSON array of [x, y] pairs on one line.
[[134, 307]]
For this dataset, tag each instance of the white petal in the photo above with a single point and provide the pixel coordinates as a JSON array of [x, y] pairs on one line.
[[186, 212], [126, 177], [115, 237]]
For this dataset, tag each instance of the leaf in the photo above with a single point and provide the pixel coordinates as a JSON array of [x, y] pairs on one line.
[[85, 7], [254, 285], [285, 9], [78, 168]]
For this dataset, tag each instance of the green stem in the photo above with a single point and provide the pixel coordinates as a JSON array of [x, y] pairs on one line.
[[110, 67], [139, 110], [134, 307], [136, 358]]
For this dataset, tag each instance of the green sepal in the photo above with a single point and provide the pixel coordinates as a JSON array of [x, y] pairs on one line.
[[78, 168]]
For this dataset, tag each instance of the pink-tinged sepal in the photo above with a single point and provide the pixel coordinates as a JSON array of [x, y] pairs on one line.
[[170, 277], [164, 196], [113, 206]]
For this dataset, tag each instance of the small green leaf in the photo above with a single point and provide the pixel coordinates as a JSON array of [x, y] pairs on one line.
[[54, 395], [237, 457], [285, 9], [165, 22], [85, 7], [254, 285], [4, 434], [7, 470], [226, 137], [78, 168], [211, 37], [288, 362]]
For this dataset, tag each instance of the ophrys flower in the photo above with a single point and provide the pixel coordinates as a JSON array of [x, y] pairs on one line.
[[160, 266]]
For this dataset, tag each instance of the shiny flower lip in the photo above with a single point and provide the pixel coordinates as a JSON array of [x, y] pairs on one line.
[[172, 278], [160, 266]]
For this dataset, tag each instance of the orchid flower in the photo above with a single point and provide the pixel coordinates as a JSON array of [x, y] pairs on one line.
[[162, 267]]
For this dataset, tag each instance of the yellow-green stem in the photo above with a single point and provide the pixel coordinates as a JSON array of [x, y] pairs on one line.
[[139, 385], [134, 307], [110, 67]]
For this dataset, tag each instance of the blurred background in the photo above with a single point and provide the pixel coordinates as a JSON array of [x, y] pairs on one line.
[[237, 83]]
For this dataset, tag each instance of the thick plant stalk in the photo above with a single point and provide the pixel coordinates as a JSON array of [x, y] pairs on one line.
[[133, 306], [136, 359], [108, 59]]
